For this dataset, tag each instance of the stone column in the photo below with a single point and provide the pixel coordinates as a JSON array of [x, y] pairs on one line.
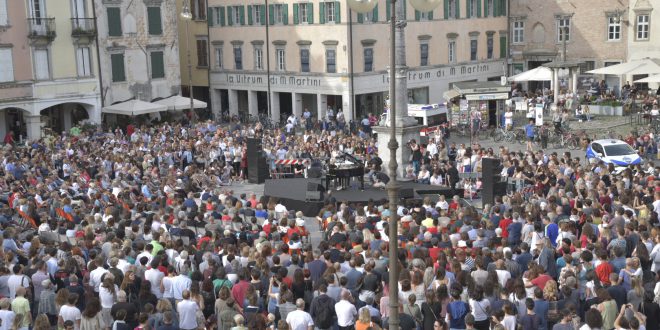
[[555, 84], [67, 109], [3, 123], [216, 103], [575, 80], [275, 106], [296, 104], [33, 124], [253, 104], [321, 106], [233, 102], [347, 105]]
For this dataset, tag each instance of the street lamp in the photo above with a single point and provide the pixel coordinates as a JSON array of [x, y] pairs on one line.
[[397, 63], [187, 16]]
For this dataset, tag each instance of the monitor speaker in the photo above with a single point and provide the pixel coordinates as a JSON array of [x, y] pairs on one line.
[[257, 166]]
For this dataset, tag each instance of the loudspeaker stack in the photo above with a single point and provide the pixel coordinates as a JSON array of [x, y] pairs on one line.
[[256, 161]]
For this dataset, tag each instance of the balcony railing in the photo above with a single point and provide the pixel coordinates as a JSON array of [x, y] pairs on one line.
[[83, 27], [41, 27]]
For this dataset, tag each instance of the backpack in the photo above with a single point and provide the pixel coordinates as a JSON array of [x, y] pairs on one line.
[[326, 308]]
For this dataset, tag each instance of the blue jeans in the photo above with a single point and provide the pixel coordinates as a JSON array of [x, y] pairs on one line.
[[416, 166]]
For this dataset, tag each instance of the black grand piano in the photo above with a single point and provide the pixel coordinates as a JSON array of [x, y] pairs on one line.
[[343, 172]]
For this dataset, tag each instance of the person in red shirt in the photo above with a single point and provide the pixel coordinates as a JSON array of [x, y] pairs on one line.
[[604, 268], [504, 223], [540, 280], [239, 290]]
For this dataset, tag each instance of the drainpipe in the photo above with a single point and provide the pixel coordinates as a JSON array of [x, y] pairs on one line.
[[208, 56], [98, 55]]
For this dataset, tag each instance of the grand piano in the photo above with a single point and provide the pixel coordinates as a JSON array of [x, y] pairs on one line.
[[346, 167]]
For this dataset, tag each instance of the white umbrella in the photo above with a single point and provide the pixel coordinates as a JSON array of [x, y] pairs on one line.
[[645, 66], [651, 79], [134, 108], [538, 74], [179, 102]]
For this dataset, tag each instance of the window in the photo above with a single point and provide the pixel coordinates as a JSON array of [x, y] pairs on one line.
[[258, 58], [238, 58], [472, 8], [198, 9], [114, 21], [489, 47], [587, 66], [473, 49], [117, 62], [613, 28], [330, 11], [279, 13], [218, 57], [331, 60], [219, 16], [256, 14], [424, 54], [41, 64], [518, 32], [503, 46], [451, 9], [368, 59], [7, 68], [304, 60], [642, 27], [157, 65], [202, 53], [153, 16], [4, 19], [452, 52], [237, 14], [564, 29], [280, 57], [83, 61], [303, 12]]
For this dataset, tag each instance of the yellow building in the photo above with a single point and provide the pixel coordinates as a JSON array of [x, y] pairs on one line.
[[194, 43]]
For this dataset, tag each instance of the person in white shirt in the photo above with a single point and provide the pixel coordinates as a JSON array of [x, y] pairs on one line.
[[345, 310], [6, 315], [508, 119], [17, 280], [155, 276], [180, 284], [442, 203], [96, 275], [299, 319], [187, 310], [145, 253], [436, 180], [70, 312]]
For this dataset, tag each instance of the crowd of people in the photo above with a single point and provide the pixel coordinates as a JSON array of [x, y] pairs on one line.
[[139, 228]]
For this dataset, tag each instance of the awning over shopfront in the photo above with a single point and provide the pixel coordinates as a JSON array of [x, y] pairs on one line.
[[538, 74], [651, 79], [179, 102], [645, 66], [134, 108], [450, 94]]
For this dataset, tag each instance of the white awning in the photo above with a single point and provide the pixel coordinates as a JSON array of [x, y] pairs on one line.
[[538, 74], [487, 97], [450, 94], [134, 108], [645, 66], [179, 102], [651, 79]]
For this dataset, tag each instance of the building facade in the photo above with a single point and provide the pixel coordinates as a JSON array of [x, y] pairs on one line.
[[48, 72], [139, 49], [644, 34], [593, 32], [316, 55], [194, 38]]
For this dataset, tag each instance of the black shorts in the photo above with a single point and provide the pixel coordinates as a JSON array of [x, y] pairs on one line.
[[530, 138]]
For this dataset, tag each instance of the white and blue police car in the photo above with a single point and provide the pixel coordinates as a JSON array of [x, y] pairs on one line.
[[613, 151]]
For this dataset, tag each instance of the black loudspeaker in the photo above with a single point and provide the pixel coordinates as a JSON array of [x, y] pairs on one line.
[[406, 193], [490, 180], [257, 165], [314, 191]]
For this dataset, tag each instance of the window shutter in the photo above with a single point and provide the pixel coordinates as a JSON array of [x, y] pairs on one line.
[[114, 22], [337, 12], [3, 13], [503, 8], [446, 9], [271, 14], [388, 4], [153, 15], [486, 8], [7, 69], [322, 13], [118, 73], [502, 46], [496, 9], [458, 9], [157, 65], [285, 14], [469, 9], [221, 16], [405, 10], [479, 8], [418, 15], [360, 18], [230, 17], [310, 13], [241, 11], [263, 15], [211, 16], [374, 15], [249, 14], [429, 15], [295, 14]]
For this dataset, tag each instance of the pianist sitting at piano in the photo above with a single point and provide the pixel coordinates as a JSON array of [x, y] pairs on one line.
[[342, 168]]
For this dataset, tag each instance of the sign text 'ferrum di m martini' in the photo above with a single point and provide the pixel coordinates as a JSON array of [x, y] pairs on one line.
[[276, 80]]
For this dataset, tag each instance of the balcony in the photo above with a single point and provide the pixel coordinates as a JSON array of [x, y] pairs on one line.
[[41, 28], [83, 27]]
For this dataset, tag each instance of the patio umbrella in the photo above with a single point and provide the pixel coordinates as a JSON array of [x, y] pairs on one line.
[[645, 66], [179, 102], [134, 108], [538, 74], [651, 79]]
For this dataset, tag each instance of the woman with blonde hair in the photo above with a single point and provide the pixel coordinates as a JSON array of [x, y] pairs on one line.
[[551, 291], [636, 294], [364, 320], [42, 323], [61, 299]]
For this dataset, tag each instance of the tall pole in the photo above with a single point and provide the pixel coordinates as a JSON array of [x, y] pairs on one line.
[[267, 17], [190, 84], [401, 76], [393, 185]]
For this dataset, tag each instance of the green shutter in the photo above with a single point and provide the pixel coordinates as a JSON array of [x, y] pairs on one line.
[[285, 14], [405, 9], [360, 18], [114, 22], [374, 16], [388, 5], [503, 46], [210, 16], [295, 14], [458, 9], [241, 11], [479, 8], [249, 15], [486, 8], [446, 9], [496, 8], [153, 16], [271, 14], [117, 61], [230, 17], [157, 65], [503, 8], [322, 13], [337, 12], [469, 9], [221, 15], [263, 15], [310, 13], [418, 15], [430, 15]]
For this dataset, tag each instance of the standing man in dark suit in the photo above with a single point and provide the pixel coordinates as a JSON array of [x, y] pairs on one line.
[[452, 176]]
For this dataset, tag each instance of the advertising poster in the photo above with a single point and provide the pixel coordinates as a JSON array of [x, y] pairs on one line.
[[539, 114]]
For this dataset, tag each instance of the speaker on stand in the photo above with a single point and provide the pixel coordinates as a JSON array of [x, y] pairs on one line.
[[257, 165], [491, 184]]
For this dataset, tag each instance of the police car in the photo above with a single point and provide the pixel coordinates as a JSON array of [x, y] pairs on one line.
[[612, 151]]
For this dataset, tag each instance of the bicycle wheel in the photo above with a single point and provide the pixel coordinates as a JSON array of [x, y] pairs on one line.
[[558, 143], [498, 136], [573, 143]]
